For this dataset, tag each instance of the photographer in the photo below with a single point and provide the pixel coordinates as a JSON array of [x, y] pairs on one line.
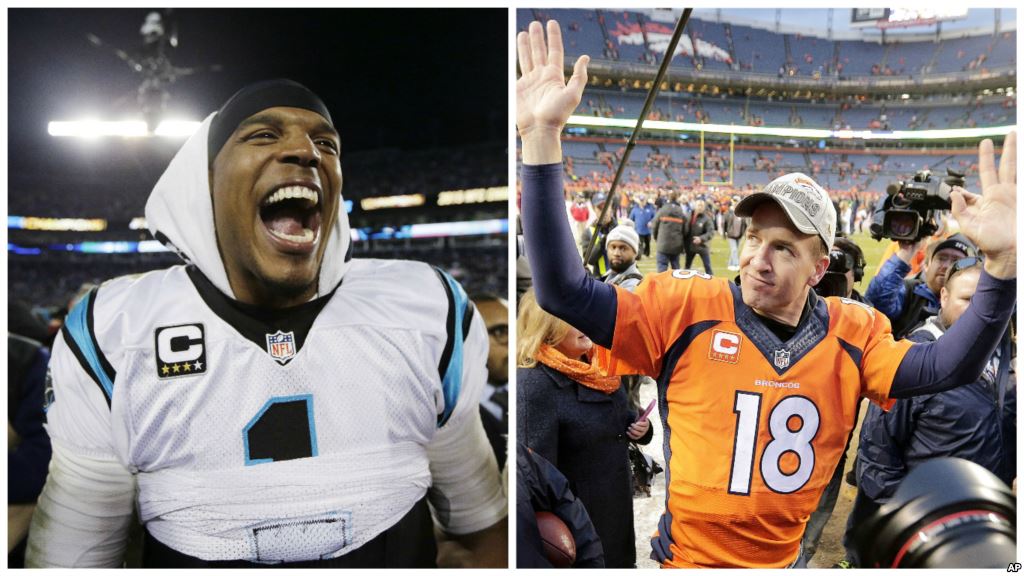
[[975, 421], [909, 301], [845, 269], [598, 264]]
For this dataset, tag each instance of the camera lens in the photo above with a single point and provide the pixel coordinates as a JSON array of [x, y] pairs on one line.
[[947, 513], [832, 284], [902, 224]]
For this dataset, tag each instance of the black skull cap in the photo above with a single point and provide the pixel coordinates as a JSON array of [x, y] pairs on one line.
[[255, 98]]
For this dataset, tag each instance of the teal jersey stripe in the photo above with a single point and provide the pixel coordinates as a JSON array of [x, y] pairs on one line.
[[77, 324], [451, 383]]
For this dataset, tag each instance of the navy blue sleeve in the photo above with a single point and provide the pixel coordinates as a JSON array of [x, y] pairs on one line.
[[959, 356], [886, 292], [884, 438], [27, 464], [549, 491], [563, 287]]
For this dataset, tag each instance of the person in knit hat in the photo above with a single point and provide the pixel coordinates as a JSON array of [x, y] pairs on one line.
[[623, 245]]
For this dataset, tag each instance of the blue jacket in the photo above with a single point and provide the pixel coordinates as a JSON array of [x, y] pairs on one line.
[[642, 216], [541, 487], [888, 293], [965, 422]]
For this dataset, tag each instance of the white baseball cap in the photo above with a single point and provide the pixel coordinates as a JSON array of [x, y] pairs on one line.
[[805, 202]]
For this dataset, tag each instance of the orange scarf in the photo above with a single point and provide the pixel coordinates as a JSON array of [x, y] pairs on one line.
[[588, 375]]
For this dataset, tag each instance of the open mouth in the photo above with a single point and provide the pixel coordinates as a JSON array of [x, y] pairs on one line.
[[291, 215]]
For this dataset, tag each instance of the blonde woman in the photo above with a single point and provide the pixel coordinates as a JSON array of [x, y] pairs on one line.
[[579, 419]]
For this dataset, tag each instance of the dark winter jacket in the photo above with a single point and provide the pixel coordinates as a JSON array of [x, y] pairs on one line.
[[583, 433], [28, 462], [541, 487], [734, 231], [702, 226], [965, 422], [668, 228]]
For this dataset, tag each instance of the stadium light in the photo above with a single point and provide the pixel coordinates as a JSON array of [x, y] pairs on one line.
[[96, 129], [809, 133], [93, 129], [942, 134], [177, 128]]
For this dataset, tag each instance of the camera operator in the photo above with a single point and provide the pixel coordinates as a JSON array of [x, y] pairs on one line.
[[909, 301], [943, 230], [845, 269], [976, 421]]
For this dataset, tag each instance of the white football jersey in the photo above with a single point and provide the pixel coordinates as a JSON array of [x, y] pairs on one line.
[[255, 435]]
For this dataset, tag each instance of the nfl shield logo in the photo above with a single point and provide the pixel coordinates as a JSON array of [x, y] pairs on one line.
[[781, 359], [281, 346]]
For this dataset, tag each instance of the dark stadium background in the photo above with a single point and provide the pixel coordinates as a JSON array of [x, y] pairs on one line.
[[419, 97], [779, 68]]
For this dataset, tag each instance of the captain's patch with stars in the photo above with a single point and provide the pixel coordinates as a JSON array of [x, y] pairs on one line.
[[180, 350]]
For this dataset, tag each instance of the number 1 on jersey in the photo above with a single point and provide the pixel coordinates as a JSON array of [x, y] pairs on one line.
[[283, 429], [747, 408]]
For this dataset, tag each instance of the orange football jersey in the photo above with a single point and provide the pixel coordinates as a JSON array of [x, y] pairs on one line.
[[754, 426]]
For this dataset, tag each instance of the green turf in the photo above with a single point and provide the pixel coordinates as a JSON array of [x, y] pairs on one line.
[[720, 257]]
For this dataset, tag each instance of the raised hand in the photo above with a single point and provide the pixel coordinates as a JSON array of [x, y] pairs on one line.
[[544, 100], [990, 220]]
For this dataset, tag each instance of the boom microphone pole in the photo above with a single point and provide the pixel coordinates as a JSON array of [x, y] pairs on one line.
[[651, 94]]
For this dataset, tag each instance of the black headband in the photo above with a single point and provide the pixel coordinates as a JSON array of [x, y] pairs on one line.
[[254, 98]]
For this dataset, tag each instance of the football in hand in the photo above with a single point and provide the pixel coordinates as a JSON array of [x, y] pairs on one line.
[[559, 545]]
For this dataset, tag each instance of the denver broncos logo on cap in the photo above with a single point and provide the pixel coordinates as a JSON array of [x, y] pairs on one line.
[[805, 181]]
